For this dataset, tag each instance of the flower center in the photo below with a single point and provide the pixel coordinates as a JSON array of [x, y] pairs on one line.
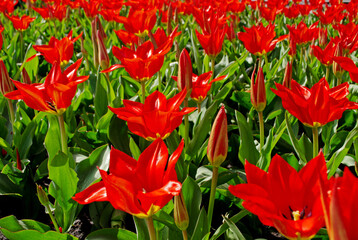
[[298, 215]]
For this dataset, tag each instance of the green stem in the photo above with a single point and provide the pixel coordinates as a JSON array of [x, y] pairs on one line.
[[339, 81], [266, 59], [315, 141], [11, 111], [143, 90], [262, 132], [186, 125], [212, 68], [327, 73], [61, 122], [21, 47], [151, 229], [159, 81], [185, 235], [199, 107], [214, 182], [52, 218]]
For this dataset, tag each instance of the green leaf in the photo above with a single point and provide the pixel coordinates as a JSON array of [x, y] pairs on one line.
[[141, 227], [118, 134], [224, 91], [12, 224], [201, 227], [237, 233], [7, 148], [247, 150], [7, 187], [243, 98], [101, 97], [296, 145], [111, 234], [53, 137], [134, 149], [87, 169], [192, 197], [222, 229], [33, 65], [202, 129], [64, 179]]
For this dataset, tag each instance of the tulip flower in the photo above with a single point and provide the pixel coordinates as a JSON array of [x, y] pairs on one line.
[[302, 34], [284, 198], [181, 217], [55, 94], [20, 23], [259, 40], [127, 38], [1, 37], [330, 15], [258, 91], [348, 65], [340, 208], [212, 42], [103, 57], [7, 5], [325, 56], [216, 153], [156, 118], [57, 50], [139, 22], [6, 85], [317, 106], [140, 188], [52, 12], [185, 71]]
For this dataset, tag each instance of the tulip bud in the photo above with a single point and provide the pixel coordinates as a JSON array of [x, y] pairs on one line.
[[337, 69], [42, 195], [322, 37], [288, 76], [5, 81], [258, 91], [1, 38], [83, 50], [18, 160], [94, 42], [218, 140], [181, 216], [170, 17], [102, 52], [185, 72]]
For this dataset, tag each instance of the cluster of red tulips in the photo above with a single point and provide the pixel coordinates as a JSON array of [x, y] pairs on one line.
[[94, 94]]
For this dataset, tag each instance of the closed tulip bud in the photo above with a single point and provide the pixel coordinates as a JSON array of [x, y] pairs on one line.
[[42, 195], [94, 42], [322, 37], [102, 52], [170, 17], [258, 91], [218, 140], [181, 216], [185, 72], [337, 69], [288, 75], [5, 81]]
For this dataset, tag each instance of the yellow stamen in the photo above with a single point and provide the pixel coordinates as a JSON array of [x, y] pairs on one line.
[[296, 215]]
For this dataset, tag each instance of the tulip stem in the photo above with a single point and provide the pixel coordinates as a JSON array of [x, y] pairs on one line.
[[185, 235], [214, 181], [52, 218], [212, 68], [315, 141], [143, 90], [327, 73], [61, 122], [151, 229], [186, 125], [21, 47], [159, 81], [262, 132], [199, 107]]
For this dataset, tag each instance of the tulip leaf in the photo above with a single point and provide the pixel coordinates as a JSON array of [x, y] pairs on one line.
[[53, 137], [237, 233], [7, 148], [247, 150], [296, 145], [87, 169], [225, 226], [192, 197], [118, 134], [141, 227], [196, 54], [201, 226], [101, 97], [26, 140], [14, 229], [224, 91], [339, 155], [134, 149], [64, 180], [111, 234], [33, 65], [202, 129], [7, 187], [243, 98]]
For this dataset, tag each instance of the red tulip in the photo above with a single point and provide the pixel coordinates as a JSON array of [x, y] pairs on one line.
[[55, 11], [348, 36], [57, 50], [140, 188], [127, 38], [20, 23], [156, 118], [317, 106], [284, 198], [348, 65], [139, 22], [326, 55], [91, 7], [292, 11], [302, 34], [330, 15], [1, 37], [55, 94], [185, 71], [7, 6], [258, 90], [218, 140], [212, 42], [143, 63], [260, 40], [201, 85], [340, 207]]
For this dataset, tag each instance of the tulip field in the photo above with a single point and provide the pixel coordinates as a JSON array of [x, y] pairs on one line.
[[178, 119]]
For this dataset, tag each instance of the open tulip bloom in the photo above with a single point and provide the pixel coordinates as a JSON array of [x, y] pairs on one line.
[[55, 94], [140, 188], [284, 198], [317, 106], [156, 118]]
